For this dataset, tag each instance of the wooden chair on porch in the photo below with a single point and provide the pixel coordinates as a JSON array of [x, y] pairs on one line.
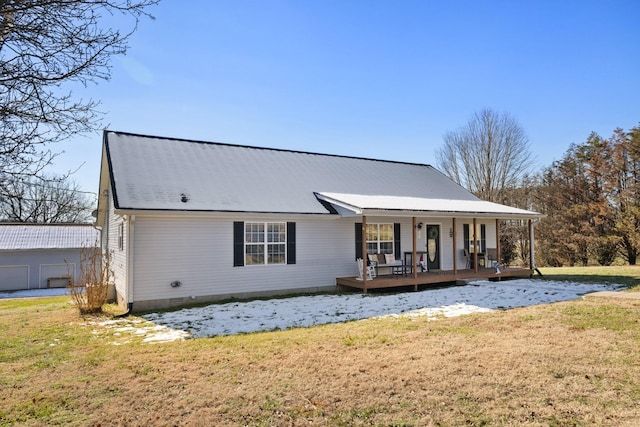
[[467, 257], [371, 270]]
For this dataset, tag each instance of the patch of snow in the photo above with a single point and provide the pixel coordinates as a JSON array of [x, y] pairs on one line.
[[48, 292], [274, 314]]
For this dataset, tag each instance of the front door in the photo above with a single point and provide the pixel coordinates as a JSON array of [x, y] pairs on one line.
[[433, 247]]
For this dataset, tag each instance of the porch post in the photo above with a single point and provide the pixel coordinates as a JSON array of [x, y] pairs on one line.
[[498, 240], [455, 249], [365, 258], [413, 255], [532, 259], [475, 247]]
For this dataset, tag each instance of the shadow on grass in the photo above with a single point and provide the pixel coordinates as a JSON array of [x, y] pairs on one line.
[[627, 275]]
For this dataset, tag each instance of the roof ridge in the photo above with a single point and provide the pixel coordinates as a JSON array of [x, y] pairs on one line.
[[253, 147]]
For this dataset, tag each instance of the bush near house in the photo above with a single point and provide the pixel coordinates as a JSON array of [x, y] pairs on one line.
[[89, 292]]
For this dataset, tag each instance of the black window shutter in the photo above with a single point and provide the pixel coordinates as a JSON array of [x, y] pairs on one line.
[[358, 240], [396, 240], [466, 236], [291, 243], [483, 238], [238, 244]]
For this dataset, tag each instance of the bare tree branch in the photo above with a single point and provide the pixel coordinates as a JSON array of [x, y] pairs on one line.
[[46, 47], [51, 199], [488, 154]]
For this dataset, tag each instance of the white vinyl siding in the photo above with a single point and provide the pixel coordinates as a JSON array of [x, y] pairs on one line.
[[198, 252], [115, 232]]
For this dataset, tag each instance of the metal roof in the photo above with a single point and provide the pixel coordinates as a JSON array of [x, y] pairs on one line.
[[156, 173], [358, 204], [47, 236]]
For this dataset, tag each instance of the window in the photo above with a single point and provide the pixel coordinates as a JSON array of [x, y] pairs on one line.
[[380, 238], [265, 243], [481, 236], [121, 236]]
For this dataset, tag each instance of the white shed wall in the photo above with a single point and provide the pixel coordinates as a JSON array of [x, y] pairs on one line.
[[39, 264]]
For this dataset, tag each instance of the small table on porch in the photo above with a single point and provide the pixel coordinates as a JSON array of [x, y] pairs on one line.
[[401, 269], [410, 255], [481, 260]]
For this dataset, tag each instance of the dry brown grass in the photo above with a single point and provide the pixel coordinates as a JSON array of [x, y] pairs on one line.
[[572, 363]]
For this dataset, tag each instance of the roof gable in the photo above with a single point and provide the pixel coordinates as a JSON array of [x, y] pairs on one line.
[[152, 173]]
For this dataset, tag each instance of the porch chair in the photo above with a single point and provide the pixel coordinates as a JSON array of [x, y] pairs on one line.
[[371, 271], [467, 257]]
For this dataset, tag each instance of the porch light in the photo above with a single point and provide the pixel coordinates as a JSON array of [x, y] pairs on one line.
[[451, 232]]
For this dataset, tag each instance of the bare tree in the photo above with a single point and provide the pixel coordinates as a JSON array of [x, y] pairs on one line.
[[46, 48], [51, 200], [488, 154]]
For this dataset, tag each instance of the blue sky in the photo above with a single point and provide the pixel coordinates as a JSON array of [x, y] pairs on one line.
[[368, 78]]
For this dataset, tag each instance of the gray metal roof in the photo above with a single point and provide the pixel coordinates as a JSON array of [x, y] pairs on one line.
[[358, 204], [154, 173], [47, 236]]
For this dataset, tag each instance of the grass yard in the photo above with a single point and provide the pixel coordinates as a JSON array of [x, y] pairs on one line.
[[565, 364]]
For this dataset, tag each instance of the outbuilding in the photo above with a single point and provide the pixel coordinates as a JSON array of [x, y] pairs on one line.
[[39, 256]]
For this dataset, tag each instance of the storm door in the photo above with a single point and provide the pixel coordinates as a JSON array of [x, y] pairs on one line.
[[433, 247]]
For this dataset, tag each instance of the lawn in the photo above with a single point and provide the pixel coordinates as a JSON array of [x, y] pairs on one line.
[[569, 363]]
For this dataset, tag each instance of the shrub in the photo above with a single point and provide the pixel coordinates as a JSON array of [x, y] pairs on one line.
[[89, 291]]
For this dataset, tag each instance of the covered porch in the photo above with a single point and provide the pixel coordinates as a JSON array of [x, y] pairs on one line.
[[467, 251]]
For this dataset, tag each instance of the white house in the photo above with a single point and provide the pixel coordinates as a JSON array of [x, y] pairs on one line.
[[190, 221], [37, 256]]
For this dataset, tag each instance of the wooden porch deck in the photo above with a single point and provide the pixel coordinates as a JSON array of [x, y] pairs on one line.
[[431, 278]]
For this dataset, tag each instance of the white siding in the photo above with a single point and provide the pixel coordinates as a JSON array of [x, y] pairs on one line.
[[110, 246], [198, 252]]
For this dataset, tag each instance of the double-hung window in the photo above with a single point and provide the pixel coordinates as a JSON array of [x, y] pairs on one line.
[[380, 238], [265, 243]]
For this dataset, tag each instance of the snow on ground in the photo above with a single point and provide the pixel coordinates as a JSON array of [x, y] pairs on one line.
[[273, 314], [285, 313], [48, 292]]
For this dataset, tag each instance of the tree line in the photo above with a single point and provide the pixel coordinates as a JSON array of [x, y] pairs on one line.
[[592, 201], [590, 197]]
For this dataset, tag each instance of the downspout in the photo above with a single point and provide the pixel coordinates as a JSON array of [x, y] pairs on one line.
[[532, 257]]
